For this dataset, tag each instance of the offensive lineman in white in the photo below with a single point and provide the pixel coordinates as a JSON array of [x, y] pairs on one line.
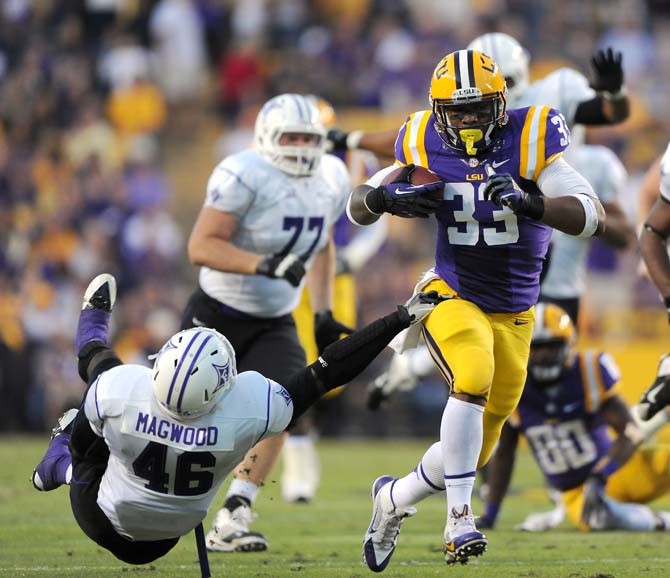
[[265, 228], [148, 453]]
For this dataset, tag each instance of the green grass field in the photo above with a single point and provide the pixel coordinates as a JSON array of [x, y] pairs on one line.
[[39, 537]]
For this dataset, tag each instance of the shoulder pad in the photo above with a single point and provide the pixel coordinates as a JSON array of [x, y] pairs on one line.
[[544, 137], [410, 146]]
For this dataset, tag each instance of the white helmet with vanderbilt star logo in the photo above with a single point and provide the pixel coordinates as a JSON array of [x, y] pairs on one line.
[[192, 371], [293, 114]]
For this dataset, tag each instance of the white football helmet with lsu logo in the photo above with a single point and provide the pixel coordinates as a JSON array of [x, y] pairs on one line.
[[295, 114], [513, 59], [192, 371]]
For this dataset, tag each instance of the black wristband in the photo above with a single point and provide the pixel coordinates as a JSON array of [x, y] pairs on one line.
[[666, 301], [532, 207]]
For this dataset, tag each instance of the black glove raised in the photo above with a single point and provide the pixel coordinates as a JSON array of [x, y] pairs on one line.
[[337, 139], [504, 192], [327, 329], [289, 267], [608, 71], [404, 199]]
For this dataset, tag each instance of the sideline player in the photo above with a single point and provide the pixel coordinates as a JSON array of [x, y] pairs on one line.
[[570, 401], [493, 233], [148, 451]]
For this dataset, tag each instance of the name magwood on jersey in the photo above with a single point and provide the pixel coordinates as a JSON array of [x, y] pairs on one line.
[[278, 213], [163, 474], [566, 277], [563, 89]]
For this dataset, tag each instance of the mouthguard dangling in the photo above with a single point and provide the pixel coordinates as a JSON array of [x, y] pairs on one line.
[[470, 136]]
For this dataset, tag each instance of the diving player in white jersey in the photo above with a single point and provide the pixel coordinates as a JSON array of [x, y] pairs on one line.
[[148, 451], [266, 224]]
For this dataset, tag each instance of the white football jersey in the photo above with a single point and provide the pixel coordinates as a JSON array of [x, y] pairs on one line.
[[665, 174], [563, 89], [277, 212], [567, 265], [163, 474]]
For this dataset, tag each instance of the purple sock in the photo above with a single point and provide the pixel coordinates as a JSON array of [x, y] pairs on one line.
[[64, 460], [93, 326]]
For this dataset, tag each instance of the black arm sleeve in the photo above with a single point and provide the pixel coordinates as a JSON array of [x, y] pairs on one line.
[[591, 112], [343, 360]]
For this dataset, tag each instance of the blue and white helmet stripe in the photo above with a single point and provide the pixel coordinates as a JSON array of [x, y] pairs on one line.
[[193, 371], [195, 359]]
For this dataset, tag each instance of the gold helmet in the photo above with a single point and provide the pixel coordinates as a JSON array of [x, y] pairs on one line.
[[468, 83], [326, 110], [553, 344]]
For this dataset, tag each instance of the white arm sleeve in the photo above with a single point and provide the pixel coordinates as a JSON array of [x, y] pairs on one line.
[[559, 179]]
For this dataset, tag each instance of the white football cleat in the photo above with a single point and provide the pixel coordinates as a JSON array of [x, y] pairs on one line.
[[462, 540], [100, 293], [381, 537], [230, 532]]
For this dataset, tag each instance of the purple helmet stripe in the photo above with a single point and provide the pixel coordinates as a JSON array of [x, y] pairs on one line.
[[190, 369], [174, 377]]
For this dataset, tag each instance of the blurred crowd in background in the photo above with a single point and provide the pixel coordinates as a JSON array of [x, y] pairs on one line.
[[113, 113]]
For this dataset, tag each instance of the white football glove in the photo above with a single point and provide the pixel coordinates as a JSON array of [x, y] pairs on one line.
[[657, 396], [420, 305], [398, 377]]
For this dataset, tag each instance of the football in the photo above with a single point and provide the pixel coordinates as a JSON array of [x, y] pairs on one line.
[[419, 176]]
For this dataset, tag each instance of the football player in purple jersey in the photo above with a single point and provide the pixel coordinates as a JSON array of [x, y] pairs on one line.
[[505, 186], [570, 401]]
